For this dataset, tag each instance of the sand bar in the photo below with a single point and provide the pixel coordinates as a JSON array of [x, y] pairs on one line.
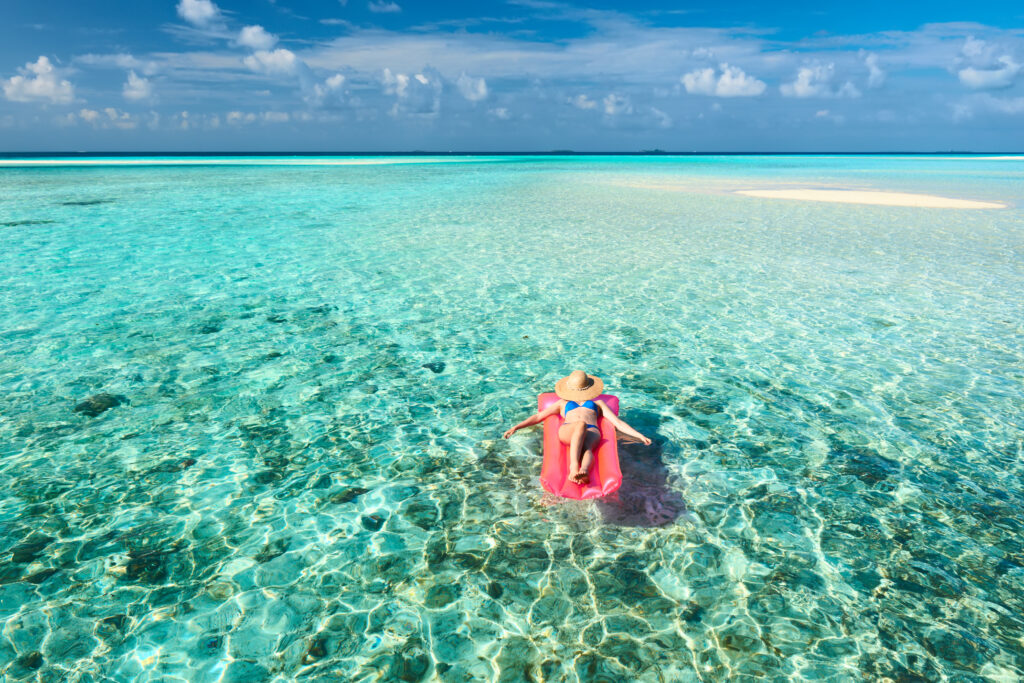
[[874, 197], [237, 161]]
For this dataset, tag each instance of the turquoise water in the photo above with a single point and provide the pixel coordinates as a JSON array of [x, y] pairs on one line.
[[291, 465]]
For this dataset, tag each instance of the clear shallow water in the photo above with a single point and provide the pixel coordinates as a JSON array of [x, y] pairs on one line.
[[286, 491]]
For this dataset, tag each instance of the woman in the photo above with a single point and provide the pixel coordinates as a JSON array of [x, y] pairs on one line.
[[580, 408]]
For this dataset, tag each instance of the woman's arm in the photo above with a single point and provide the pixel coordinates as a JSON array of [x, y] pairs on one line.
[[535, 418], [620, 425]]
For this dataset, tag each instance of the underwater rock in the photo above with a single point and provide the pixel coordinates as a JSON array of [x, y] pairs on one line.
[[275, 548], [30, 661], [275, 318], [272, 355], [372, 522], [347, 495], [441, 595], [99, 403], [323, 309], [209, 328], [331, 358], [317, 650], [436, 367], [495, 590]]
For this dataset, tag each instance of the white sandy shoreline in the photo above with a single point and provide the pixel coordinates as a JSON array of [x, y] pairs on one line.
[[237, 161], [873, 197]]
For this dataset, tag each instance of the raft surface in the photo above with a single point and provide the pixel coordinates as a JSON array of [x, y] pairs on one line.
[[605, 475]]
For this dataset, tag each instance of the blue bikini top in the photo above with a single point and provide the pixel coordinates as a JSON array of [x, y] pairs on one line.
[[573, 405]]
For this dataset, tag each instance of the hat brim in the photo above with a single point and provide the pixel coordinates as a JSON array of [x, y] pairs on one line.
[[593, 391]]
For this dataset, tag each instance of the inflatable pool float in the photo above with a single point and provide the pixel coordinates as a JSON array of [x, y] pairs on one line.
[[605, 475]]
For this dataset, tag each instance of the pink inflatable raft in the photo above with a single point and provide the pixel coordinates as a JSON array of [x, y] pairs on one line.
[[605, 476]]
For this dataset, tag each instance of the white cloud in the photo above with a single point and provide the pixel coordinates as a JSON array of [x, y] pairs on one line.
[[121, 60], [876, 75], [419, 94], [500, 113], [235, 118], [328, 92], [990, 79], [616, 104], [984, 102], [256, 37], [200, 13], [700, 81], [381, 6], [89, 115], [39, 81], [137, 87], [275, 117], [732, 82], [816, 81], [663, 119], [582, 102], [279, 61], [109, 117], [473, 89]]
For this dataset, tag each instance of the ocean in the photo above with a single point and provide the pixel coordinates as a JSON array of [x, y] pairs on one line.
[[251, 413]]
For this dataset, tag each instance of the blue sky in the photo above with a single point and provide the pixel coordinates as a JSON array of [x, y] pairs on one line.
[[392, 75]]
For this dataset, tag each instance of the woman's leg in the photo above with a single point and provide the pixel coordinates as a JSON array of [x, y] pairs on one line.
[[573, 435], [590, 443]]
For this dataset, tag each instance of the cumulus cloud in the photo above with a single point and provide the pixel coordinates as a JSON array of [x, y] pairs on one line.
[[279, 61], [384, 7], [256, 37], [500, 113], [876, 75], [109, 117], [473, 89], [417, 94], [330, 92], [137, 87], [39, 82], [986, 65], [991, 79], [201, 13], [235, 118], [817, 81], [732, 82], [582, 102], [616, 104]]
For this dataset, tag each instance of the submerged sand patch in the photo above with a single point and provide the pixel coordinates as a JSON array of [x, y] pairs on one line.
[[875, 197]]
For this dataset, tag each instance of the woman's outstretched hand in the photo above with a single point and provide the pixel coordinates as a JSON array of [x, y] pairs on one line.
[[509, 433], [645, 440]]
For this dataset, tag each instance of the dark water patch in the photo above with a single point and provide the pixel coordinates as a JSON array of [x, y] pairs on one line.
[[209, 328], [273, 549], [372, 522], [99, 403], [436, 367], [276, 318], [29, 221], [31, 548], [87, 202], [348, 495]]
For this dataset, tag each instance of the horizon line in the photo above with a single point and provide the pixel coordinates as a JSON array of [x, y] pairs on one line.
[[555, 152]]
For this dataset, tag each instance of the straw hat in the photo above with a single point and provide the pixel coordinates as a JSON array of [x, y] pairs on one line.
[[579, 386]]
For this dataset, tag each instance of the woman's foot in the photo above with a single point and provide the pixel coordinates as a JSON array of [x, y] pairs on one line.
[[582, 477]]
